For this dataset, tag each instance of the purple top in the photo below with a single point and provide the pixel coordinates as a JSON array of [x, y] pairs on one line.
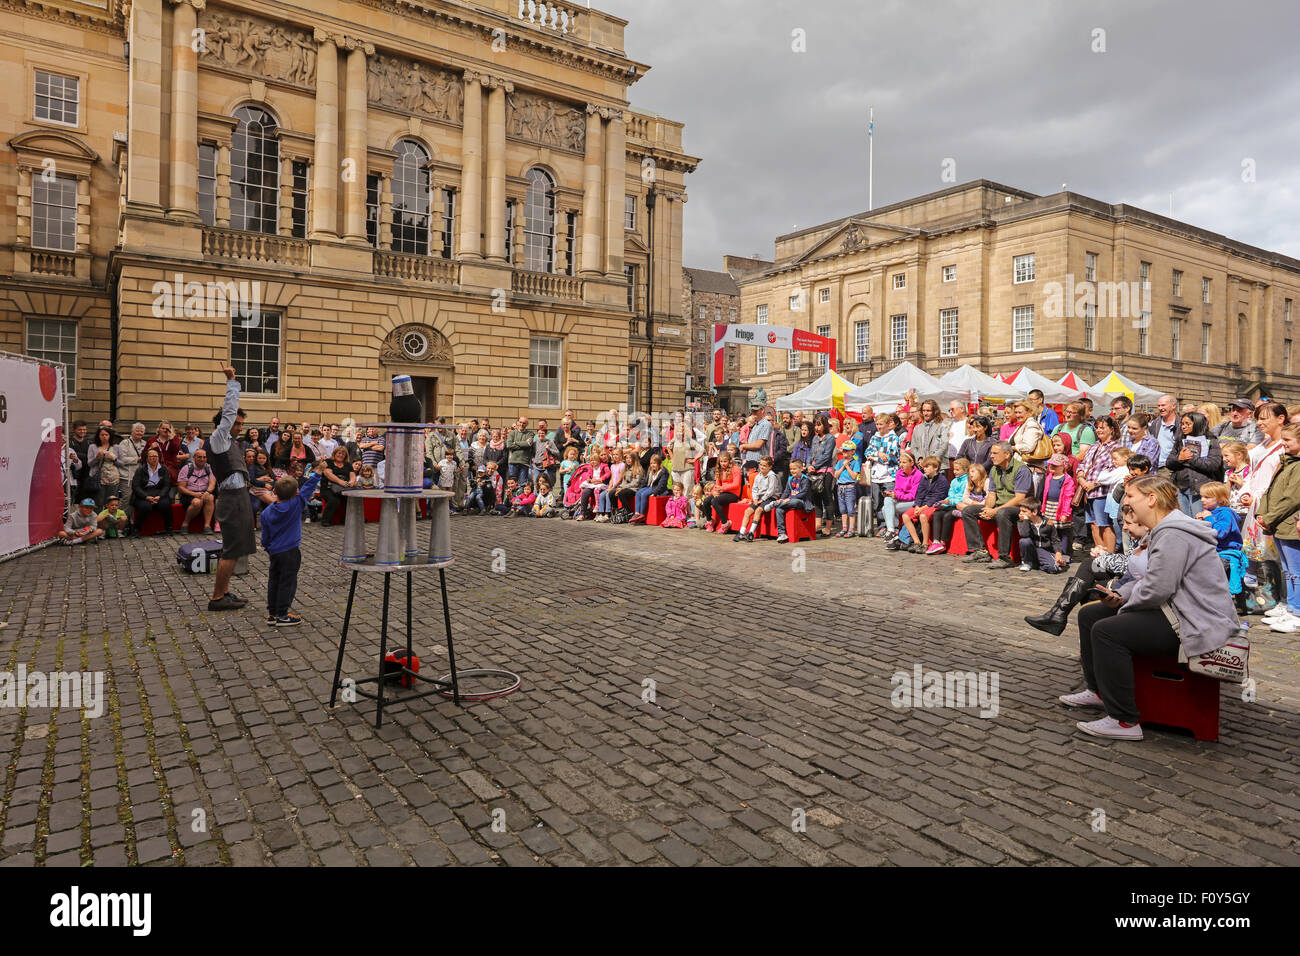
[[905, 485]]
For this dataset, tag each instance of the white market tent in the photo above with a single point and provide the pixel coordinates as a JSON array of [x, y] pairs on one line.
[[889, 390], [1075, 383], [818, 395], [974, 385], [1117, 384], [1053, 394]]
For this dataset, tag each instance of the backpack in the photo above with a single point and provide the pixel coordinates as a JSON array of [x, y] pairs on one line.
[[199, 557]]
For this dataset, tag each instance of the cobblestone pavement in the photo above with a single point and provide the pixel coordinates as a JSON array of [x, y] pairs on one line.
[[771, 696]]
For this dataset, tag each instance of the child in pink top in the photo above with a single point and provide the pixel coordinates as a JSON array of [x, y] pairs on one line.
[[677, 511], [906, 481]]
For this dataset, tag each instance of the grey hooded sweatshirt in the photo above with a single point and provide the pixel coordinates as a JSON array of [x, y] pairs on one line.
[[1183, 568]]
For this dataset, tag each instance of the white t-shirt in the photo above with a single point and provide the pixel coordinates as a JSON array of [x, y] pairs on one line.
[[956, 436]]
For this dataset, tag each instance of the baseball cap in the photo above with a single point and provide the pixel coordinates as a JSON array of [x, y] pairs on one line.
[[1057, 460], [87, 502], [111, 498], [1243, 403]]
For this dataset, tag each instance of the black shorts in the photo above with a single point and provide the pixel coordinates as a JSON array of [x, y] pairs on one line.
[[234, 513]]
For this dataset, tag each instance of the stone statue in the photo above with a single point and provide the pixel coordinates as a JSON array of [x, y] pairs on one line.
[[760, 398]]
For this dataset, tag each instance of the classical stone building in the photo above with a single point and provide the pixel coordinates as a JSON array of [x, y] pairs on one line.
[[329, 194], [998, 277], [708, 299]]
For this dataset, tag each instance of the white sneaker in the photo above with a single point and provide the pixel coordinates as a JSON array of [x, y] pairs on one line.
[[1280, 610], [1286, 625], [1025, 567], [1084, 698], [1110, 727]]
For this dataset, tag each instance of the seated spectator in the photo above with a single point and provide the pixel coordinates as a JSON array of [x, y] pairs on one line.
[[906, 482], [763, 496], [521, 503], [930, 495], [977, 449], [656, 485], [151, 491], [1183, 576], [726, 492], [633, 480], [699, 494], [482, 495], [618, 459], [197, 487], [113, 520], [544, 504], [677, 511], [946, 514], [339, 475], [796, 497], [1041, 545], [82, 524], [1010, 485]]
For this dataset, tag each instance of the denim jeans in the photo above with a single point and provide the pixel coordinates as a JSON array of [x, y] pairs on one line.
[[642, 500], [1289, 552], [1189, 502], [603, 505], [785, 506]]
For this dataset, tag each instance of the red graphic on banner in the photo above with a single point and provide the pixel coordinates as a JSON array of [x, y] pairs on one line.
[[49, 377], [45, 502]]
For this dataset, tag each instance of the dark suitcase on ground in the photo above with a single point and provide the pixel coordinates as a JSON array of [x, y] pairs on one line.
[[199, 557]]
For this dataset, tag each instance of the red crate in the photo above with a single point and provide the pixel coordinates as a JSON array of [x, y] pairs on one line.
[[1168, 693]]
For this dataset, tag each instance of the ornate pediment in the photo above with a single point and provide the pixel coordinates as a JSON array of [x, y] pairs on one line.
[[399, 83], [415, 344], [548, 122], [855, 236], [257, 48]]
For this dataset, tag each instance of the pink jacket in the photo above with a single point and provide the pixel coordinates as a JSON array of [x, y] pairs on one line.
[[1064, 508], [905, 485]]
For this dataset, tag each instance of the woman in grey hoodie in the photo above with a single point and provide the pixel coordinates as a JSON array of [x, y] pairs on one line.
[[930, 437], [1182, 599]]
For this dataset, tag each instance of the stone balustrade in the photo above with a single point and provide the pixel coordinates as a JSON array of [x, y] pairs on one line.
[[255, 247], [549, 16], [45, 262], [546, 285], [430, 269]]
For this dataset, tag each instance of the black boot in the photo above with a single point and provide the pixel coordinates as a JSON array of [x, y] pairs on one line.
[[1054, 621]]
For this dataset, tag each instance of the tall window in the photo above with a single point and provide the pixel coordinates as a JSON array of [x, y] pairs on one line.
[[208, 184], [254, 172], [1090, 267], [1286, 356], [862, 341], [510, 231], [898, 336], [1205, 290], [54, 213], [629, 272], [824, 295], [1206, 331], [704, 313], [58, 98], [544, 354], [717, 314], [792, 361], [1175, 339], [632, 388], [731, 315], [629, 212], [1286, 310], [299, 168], [1090, 326], [1144, 334], [796, 302], [825, 332], [1176, 284], [900, 280], [760, 315], [449, 227], [1022, 328], [55, 340], [255, 350], [1022, 268], [412, 196], [949, 273], [760, 359], [539, 222], [372, 209], [947, 332], [570, 240]]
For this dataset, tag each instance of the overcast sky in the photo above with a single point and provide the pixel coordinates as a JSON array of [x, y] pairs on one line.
[[1011, 90]]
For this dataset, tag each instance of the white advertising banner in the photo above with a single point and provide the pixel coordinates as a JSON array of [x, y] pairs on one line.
[[31, 448]]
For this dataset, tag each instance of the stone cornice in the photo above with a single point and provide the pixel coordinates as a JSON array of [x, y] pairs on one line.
[[196, 4], [111, 21]]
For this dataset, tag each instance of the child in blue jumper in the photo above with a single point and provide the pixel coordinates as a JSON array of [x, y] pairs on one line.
[[1215, 500], [282, 538]]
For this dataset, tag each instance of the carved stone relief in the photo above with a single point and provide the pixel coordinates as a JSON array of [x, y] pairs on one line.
[[403, 84], [258, 48], [542, 120]]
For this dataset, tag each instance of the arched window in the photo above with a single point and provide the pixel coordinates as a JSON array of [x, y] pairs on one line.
[[411, 199], [255, 172], [539, 223]]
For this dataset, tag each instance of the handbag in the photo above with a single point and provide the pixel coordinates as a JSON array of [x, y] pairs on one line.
[[1042, 450], [1231, 662]]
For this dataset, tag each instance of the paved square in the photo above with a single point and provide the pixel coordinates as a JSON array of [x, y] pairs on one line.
[[771, 708]]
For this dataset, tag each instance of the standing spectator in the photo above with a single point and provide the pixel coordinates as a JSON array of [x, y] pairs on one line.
[[1240, 425], [103, 473], [1121, 407], [685, 451], [169, 451], [1195, 459], [1081, 435], [956, 428], [1041, 413], [272, 433], [496, 453], [150, 491], [546, 456], [129, 452], [372, 447], [823, 460], [191, 443], [519, 451], [197, 482], [1026, 433], [79, 443], [756, 443], [1165, 431], [1096, 475], [1138, 439], [930, 437]]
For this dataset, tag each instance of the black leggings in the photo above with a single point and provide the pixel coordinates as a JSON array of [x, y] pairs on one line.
[[1108, 641], [717, 505], [942, 523], [626, 498], [333, 501]]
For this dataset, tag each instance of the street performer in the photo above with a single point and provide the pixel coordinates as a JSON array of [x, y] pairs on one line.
[[234, 510]]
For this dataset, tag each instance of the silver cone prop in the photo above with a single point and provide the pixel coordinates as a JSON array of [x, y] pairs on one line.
[[354, 530], [408, 510], [389, 549], [439, 530], [404, 459]]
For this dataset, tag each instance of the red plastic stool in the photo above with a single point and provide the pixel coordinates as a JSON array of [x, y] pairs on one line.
[[371, 507], [800, 525], [655, 510], [1168, 693], [989, 531]]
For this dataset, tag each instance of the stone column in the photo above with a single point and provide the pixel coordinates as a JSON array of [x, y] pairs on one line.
[[355, 143], [144, 104], [384, 232], [435, 222], [183, 201], [471, 169], [286, 195], [615, 191], [517, 236], [592, 175], [496, 249], [325, 172], [561, 241]]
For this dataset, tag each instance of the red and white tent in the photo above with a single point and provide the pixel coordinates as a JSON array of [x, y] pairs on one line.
[[1075, 383], [1027, 379]]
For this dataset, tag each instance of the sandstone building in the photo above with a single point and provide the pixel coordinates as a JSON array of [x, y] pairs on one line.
[[998, 278], [330, 193], [708, 299]]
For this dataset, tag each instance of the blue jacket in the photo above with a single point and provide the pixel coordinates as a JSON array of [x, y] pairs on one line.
[[282, 520], [1226, 528], [798, 489], [932, 491]]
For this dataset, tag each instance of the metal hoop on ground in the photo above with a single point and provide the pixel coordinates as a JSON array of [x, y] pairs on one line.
[[467, 675]]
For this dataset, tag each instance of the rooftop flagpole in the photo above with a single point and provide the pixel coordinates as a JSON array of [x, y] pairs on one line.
[[871, 158]]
